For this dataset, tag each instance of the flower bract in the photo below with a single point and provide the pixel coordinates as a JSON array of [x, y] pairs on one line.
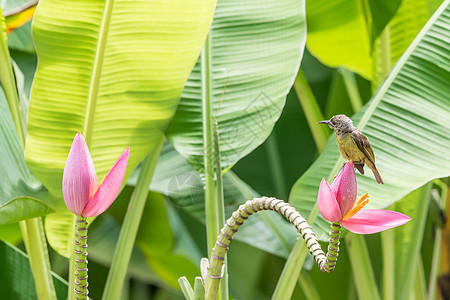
[[81, 194]]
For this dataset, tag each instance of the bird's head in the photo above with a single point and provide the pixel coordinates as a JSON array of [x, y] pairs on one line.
[[339, 123]]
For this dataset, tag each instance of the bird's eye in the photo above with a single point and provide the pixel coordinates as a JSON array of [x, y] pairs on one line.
[[333, 122]]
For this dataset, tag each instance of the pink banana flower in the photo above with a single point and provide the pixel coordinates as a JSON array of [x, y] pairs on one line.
[[338, 204], [82, 195]]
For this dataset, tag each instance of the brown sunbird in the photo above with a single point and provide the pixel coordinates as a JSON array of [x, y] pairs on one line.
[[353, 144]]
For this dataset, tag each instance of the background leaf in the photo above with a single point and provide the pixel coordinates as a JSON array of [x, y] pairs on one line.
[[381, 12], [406, 124], [175, 178], [403, 28], [248, 40], [16, 279], [338, 34], [21, 194]]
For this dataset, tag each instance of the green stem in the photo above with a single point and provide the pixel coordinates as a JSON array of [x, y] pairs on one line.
[[385, 39], [362, 270], [294, 264], [326, 262], [214, 203], [435, 260], [38, 255], [420, 282], [130, 226], [388, 249], [97, 71], [414, 248], [212, 222], [381, 58], [276, 168], [32, 230], [308, 287], [352, 89], [8, 82], [220, 206], [311, 110], [81, 291], [72, 266]]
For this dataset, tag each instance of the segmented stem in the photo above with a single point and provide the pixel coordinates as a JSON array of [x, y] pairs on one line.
[[326, 262], [81, 271], [333, 248]]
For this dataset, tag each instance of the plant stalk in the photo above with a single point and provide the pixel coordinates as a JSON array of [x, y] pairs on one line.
[[276, 167], [388, 249], [220, 207], [362, 270], [326, 262], [420, 289], [39, 261], [352, 89], [415, 247], [8, 82], [214, 204], [311, 110], [308, 286], [81, 291], [130, 226], [294, 264], [436, 263]]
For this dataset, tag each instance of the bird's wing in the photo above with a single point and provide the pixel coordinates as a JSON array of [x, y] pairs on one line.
[[363, 144]]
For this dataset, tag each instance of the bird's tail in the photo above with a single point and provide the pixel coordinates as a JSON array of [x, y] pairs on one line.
[[376, 174]]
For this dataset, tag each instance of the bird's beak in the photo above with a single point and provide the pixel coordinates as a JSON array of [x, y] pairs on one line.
[[324, 122]]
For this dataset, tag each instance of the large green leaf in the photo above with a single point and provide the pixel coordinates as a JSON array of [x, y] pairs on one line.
[[21, 194], [403, 28], [113, 71], [381, 12], [16, 279], [406, 121], [256, 47], [338, 34], [411, 16], [342, 33]]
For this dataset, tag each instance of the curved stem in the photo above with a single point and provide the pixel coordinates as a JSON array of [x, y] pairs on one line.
[[81, 271], [326, 262]]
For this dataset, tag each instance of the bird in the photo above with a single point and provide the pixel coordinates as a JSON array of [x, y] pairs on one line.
[[353, 144]]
